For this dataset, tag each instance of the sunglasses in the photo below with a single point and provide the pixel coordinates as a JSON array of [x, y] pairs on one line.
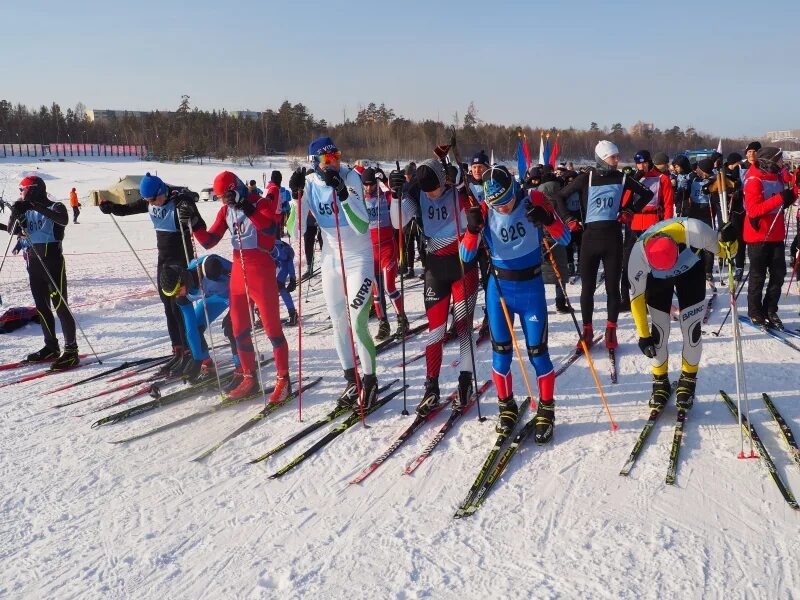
[[329, 157]]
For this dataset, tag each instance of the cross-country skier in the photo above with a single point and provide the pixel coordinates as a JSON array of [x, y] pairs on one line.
[[75, 205], [332, 192], [173, 236], [42, 222], [252, 223], [312, 235], [666, 259], [439, 209], [509, 222], [384, 249], [602, 190], [286, 277]]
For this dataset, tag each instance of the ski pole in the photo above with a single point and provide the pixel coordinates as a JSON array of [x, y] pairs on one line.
[[127, 241], [200, 276], [300, 241], [58, 289], [5, 254], [335, 208], [583, 344], [401, 260], [728, 314]]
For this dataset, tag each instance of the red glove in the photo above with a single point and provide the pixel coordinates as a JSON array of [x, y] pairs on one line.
[[574, 225], [625, 217]]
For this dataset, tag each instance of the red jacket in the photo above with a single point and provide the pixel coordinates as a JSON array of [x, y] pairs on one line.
[[763, 204], [264, 221], [660, 207]]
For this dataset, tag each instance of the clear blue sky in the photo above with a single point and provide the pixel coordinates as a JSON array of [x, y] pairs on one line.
[[722, 67]]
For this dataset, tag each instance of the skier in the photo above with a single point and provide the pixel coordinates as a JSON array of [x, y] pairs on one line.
[[173, 236], [252, 222], [411, 234], [664, 259], [75, 204], [602, 189], [733, 171], [384, 250], [766, 196], [333, 192], [41, 223], [297, 184], [549, 184], [285, 271], [439, 209], [213, 273], [509, 222]]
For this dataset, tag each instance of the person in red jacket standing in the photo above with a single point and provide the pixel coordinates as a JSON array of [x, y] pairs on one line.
[[253, 223], [765, 198]]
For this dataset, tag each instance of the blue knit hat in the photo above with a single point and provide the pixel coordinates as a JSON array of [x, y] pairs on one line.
[[151, 186], [321, 145], [480, 158]]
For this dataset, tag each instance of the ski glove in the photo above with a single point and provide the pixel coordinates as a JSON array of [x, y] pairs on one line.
[[538, 215], [574, 225], [297, 181], [334, 180], [647, 346], [292, 285], [625, 217], [475, 222], [188, 213], [239, 202], [396, 181], [728, 233], [788, 198]]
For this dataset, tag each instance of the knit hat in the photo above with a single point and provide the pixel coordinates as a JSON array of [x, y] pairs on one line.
[[212, 267], [430, 175], [753, 146], [733, 158], [37, 188], [661, 252], [682, 162], [368, 176], [321, 145], [276, 177], [642, 156], [498, 186], [604, 149], [151, 186], [228, 182], [660, 158], [706, 165], [480, 158]]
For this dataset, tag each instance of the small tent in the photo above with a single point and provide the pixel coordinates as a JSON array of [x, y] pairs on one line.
[[125, 191]]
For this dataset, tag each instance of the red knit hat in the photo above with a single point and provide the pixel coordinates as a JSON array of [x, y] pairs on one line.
[[661, 252]]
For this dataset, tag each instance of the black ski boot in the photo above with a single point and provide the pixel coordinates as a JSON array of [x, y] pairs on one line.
[[369, 391], [508, 415], [661, 391], [758, 320], [402, 326], [384, 330], [349, 397], [177, 355], [205, 373], [46, 353], [181, 365], [684, 394], [191, 369], [68, 359], [431, 397], [774, 321], [464, 390], [292, 320], [544, 422], [561, 306]]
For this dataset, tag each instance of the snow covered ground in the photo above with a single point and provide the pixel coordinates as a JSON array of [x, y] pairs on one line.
[[82, 518]]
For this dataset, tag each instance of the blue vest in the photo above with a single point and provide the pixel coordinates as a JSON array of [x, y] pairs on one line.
[[477, 191], [163, 217], [513, 240], [696, 192], [41, 229], [437, 215], [247, 230], [321, 205], [604, 201], [378, 211], [285, 200]]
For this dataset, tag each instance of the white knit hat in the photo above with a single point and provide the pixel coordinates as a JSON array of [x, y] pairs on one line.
[[604, 149]]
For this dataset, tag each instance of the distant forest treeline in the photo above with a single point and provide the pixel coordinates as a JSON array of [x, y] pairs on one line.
[[376, 132]]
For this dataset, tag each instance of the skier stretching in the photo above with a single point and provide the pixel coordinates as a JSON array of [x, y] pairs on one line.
[[333, 194], [253, 223], [439, 209], [667, 257], [512, 237], [384, 248]]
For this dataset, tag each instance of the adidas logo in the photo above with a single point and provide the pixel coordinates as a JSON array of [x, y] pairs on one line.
[[533, 319]]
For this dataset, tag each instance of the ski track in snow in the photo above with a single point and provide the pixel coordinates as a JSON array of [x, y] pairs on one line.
[[82, 518]]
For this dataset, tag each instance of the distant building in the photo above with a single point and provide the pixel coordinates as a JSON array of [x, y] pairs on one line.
[[785, 135], [103, 116]]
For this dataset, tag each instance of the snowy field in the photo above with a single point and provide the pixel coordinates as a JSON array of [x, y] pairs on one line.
[[82, 518]]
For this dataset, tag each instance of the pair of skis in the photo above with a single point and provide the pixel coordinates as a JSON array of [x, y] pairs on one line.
[[778, 334]]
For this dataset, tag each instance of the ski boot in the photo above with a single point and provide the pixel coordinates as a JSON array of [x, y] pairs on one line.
[[611, 335], [292, 320], [206, 372], [561, 306], [661, 391], [68, 359], [402, 326], [369, 391], [46, 353], [384, 330], [464, 390], [283, 387], [588, 336], [349, 397], [235, 381], [508, 414], [177, 354], [431, 397], [181, 365], [758, 320], [248, 385], [774, 321], [191, 369], [544, 422], [684, 394]]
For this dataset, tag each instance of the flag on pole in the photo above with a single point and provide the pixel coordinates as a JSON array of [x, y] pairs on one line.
[[541, 149], [520, 158], [554, 153], [719, 146], [547, 150], [526, 150]]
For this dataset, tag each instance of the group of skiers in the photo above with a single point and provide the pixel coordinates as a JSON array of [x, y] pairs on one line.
[[476, 228]]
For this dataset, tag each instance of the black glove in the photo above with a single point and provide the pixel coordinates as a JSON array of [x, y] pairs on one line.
[[450, 173], [788, 198], [188, 213], [397, 180], [538, 215], [240, 203], [475, 220], [297, 181], [706, 189], [292, 285], [728, 233], [106, 207], [647, 346], [380, 175], [334, 180]]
